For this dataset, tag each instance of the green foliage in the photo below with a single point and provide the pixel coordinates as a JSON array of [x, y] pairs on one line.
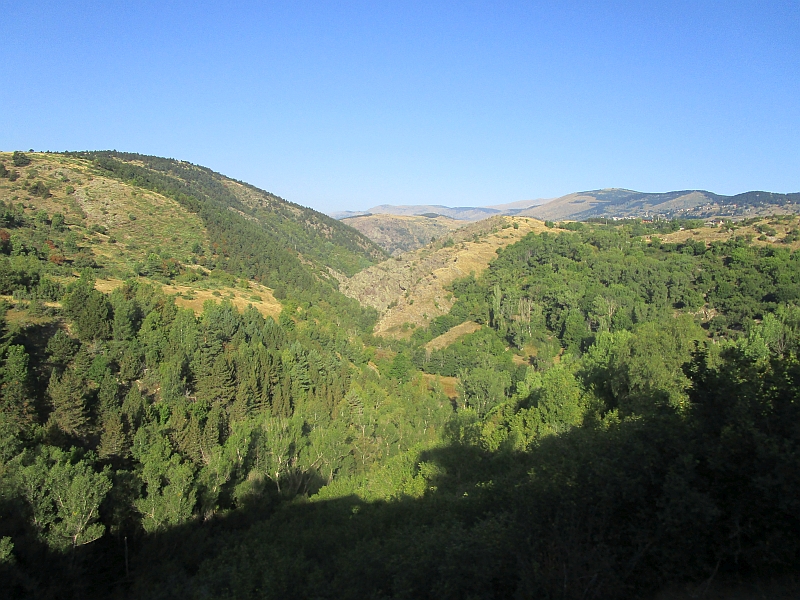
[[169, 490], [18, 159], [484, 388], [64, 495], [607, 438], [89, 309]]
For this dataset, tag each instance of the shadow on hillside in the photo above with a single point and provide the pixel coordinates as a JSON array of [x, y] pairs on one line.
[[594, 513]]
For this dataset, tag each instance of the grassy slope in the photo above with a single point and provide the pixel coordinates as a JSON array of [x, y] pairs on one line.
[[408, 291], [316, 239], [120, 225], [136, 223], [398, 234]]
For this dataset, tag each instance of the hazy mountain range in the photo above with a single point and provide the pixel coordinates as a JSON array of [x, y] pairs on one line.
[[610, 203]]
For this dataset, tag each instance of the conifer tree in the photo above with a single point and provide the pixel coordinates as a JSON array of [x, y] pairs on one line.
[[68, 397], [218, 384], [16, 402], [113, 441], [107, 392], [61, 348], [135, 409]]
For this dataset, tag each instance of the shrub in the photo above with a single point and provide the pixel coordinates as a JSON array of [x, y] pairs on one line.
[[39, 189], [19, 159]]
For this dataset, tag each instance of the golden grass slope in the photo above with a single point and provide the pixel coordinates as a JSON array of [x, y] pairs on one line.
[[720, 234], [397, 234], [137, 223], [409, 290], [452, 335]]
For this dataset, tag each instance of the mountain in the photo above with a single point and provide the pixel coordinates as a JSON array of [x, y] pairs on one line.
[[619, 203], [182, 225], [697, 204], [398, 234], [460, 213]]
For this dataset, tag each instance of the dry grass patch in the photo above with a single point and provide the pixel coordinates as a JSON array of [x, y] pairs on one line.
[[187, 296], [453, 334], [718, 234], [410, 289], [449, 384]]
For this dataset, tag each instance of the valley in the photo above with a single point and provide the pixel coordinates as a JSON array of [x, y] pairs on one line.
[[209, 391]]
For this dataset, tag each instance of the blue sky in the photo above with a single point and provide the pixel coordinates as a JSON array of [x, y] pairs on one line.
[[346, 105]]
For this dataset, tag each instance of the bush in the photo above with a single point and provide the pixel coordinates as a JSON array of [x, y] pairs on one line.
[[57, 222], [19, 159], [39, 189]]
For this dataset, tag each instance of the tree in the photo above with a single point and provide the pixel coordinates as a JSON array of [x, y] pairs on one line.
[[89, 309], [113, 441], [61, 348], [280, 445], [65, 497], [16, 401], [169, 489], [68, 397], [483, 388]]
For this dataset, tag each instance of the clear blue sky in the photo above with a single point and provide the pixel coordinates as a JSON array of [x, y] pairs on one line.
[[345, 105]]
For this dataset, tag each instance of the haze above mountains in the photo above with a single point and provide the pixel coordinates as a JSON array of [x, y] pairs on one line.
[[610, 203]]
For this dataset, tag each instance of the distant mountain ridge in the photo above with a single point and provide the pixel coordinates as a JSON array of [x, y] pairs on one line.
[[397, 234], [612, 202]]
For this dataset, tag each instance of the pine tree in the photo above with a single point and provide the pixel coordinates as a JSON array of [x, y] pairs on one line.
[[218, 384], [113, 441], [16, 402], [61, 348], [68, 396], [187, 434], [135, 409], [107, 392]]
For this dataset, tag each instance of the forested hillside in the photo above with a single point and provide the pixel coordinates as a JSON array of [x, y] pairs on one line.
[[624, 419]]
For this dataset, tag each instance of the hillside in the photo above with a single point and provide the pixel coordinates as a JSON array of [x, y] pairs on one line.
[[398, 234], [179, 225], [190, 408], [619, 203], [285, 226], [696, 204], [410, 290]]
